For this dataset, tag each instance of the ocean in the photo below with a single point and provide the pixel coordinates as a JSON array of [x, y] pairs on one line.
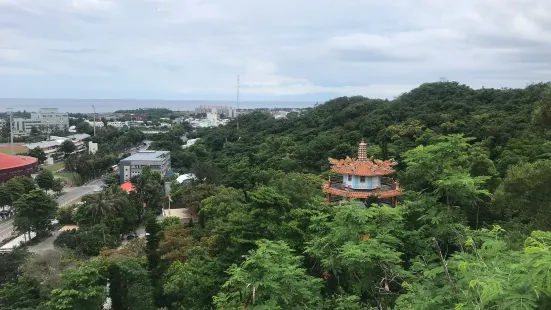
[[111, 105]]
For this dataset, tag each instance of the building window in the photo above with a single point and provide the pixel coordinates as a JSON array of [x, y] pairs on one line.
[[362, 179], [349, 178]]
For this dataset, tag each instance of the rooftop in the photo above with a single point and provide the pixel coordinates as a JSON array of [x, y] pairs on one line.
[[128, 186], [10, 161], [362, 166], [42, 145], [146, 155]]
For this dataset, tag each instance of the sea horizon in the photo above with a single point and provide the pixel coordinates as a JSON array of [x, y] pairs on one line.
[[112, 105]]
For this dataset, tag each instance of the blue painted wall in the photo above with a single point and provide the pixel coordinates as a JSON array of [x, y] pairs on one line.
[[355, 181]]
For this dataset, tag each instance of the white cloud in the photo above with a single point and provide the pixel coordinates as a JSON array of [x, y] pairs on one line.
[[294, 49]]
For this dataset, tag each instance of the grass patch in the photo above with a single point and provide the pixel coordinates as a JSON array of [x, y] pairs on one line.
[[8, 151], [65, 175], [54, 167]]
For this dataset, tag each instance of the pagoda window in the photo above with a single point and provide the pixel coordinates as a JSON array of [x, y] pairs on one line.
[[349, 178], [362, 179]]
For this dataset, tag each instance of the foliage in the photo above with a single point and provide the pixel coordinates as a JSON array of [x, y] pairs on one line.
[[34, 212], [10, 264], [87, 241], [169, 221], [22, 294], [65, 215], [524, 195], [39, 154], [67, 147], [82, 288], [191, 284], [474, 165], [359, 246], [45, 179], [129, 285], [270, 278], [150, 189], [46, 268], [111, 179], [57, 186]]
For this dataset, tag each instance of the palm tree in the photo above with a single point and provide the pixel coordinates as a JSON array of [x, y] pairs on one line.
[[98, 207]]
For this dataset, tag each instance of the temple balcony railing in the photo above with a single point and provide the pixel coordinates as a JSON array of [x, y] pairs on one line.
[[387, 189]]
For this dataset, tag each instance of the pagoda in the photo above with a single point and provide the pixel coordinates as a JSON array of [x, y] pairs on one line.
[[363, 178]]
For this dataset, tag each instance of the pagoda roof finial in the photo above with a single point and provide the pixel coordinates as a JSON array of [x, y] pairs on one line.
[[362, 151]]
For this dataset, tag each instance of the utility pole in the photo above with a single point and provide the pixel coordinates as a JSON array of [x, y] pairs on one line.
[[237, 111], [93, 107], [11, 130]]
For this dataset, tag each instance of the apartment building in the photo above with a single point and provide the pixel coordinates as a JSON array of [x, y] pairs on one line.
[[46, 119], [227, 111]]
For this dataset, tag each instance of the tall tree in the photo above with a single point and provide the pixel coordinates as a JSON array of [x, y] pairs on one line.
[[67, 147], [358, 251], [39, 154], [82, 288], [153, 230], [45, 179], [524, 196], [542, 110], [57, 186], [270, 278], [34, 212]]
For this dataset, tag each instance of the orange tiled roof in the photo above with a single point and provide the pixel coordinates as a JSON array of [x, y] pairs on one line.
[[127, 186], [361, 194], [365, 167]]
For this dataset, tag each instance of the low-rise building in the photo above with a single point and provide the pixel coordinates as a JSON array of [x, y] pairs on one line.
[[117, 124], [132, 166], [95, 124]]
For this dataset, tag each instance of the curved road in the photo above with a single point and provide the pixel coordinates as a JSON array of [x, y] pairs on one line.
[[72, 195]]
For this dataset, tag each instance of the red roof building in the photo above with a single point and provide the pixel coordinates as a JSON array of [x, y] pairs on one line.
[[128, 186], [12, 166], [363, 178]]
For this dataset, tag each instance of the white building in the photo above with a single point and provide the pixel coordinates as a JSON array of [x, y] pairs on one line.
[[135, 123], [2, 123], [117, 124], [190, 142], [92, 147], [51, 146], [45, 120], [95, 124], [227, 111]]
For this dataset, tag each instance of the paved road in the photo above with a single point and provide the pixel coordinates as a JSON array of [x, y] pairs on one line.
[[6, 229], [72, 195]]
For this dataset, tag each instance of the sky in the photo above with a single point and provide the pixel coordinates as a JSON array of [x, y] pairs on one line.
[[282, 50]]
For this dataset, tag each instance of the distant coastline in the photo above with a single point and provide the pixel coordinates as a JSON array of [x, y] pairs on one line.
[[110, 105]]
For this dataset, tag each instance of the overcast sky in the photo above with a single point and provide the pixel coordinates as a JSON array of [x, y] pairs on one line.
[[283, 50]]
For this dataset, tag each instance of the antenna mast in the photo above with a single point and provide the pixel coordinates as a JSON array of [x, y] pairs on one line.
[[93, 107], [237, 111]]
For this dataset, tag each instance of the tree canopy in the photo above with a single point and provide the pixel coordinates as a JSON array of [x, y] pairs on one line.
[[471, 230]]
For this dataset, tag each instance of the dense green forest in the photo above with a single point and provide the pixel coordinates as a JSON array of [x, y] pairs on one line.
[[472, 230]]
